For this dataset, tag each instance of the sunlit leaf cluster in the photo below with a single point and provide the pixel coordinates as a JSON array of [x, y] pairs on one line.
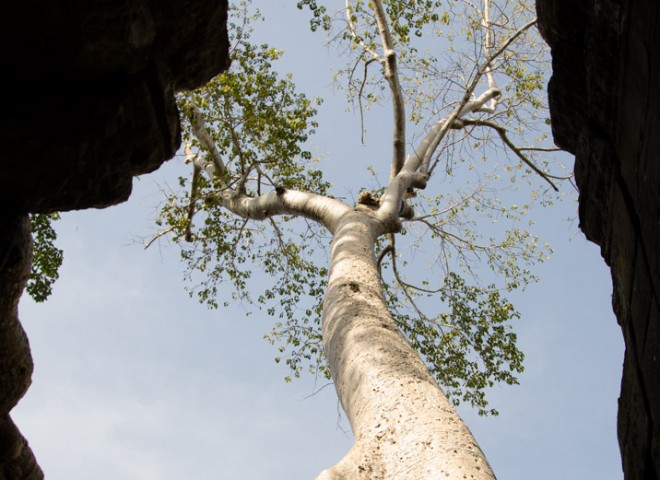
[[46, 257], [259, 125], [259, 122], [470, 346], [452, 305]]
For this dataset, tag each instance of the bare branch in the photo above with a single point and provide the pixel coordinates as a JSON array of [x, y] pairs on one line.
[[162, 233], [392, 77], [199, 130], [470, 245], [404, 286], [191, 158], [381, 257], [540, 149], [509, 41], [364, 81], [354, 34], [465, 106], [502, 133], [488, 47], [282, 201]]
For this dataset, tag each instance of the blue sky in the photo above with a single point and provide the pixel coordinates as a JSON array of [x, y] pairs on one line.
[[134, 380]]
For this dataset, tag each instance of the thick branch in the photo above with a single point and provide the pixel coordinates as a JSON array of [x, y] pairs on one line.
[[415, 171], [282, 201], [455, 121], [191, 158], [488, 47], [199, 130], [392, 77]]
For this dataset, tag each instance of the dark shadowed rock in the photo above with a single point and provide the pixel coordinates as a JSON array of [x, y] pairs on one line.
[[89, 96], [88, 103], [605, 107], [15, 360]]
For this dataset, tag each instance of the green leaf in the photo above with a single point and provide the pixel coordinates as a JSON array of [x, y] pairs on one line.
[[47, 258]]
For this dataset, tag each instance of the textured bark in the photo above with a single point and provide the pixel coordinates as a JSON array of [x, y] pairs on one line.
[[404, 426], [324, 210]]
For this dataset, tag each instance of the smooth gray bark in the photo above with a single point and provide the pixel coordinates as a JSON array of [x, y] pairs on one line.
[[404, 426]]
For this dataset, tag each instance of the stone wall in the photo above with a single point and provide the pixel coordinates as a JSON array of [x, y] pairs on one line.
[[605, 107], [88, 104], [89, 94]]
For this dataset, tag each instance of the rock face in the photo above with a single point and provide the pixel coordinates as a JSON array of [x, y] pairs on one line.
[[605, 107], [88, 104], [16, 459], [89, 94]]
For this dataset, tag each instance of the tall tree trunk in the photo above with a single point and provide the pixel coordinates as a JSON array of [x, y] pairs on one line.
[[404, 426]]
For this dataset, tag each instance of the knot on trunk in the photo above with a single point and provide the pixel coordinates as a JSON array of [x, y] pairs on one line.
[[368, 199]]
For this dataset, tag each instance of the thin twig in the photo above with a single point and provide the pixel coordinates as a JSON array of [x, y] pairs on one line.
[[158, 235], [354, 34], [502, 133], [456, 114], [381, 257], [364, 81]]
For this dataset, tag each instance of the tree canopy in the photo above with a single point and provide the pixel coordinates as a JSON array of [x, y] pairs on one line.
[[465, 84]]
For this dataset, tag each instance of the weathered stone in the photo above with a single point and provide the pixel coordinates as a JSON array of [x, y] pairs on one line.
[[89, 97], [605, 108], [15, 359], [88, 104], [15, 260]]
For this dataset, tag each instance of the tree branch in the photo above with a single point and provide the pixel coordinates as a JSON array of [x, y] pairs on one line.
[[354, 34], [191, 158], [282, 201], [381, 257], [392, 77], [392, 202], [161, 233], [364, 81], [488, 46], [199, 130], [404, 285], [502, 133], [466, 106]]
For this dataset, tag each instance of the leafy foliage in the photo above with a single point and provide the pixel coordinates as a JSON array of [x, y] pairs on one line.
[[47, 258], [471, 346], [259, 122], [440, 45], [260, 127]]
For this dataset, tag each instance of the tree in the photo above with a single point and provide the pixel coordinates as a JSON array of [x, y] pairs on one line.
[[344, 306]]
